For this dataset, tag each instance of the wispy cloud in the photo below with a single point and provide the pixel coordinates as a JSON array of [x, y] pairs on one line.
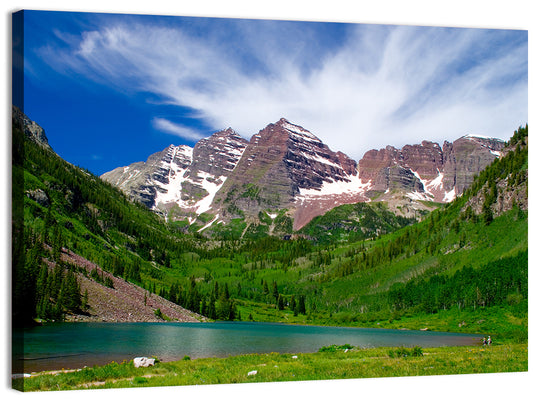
[[176, 130], [375, 85]]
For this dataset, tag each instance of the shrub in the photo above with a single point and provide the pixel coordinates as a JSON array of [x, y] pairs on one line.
[[404, 352], [398, 352], [161, 315], [417, 352], [334, 348]]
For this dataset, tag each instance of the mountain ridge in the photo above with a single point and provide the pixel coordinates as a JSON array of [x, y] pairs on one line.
[[285, 166]]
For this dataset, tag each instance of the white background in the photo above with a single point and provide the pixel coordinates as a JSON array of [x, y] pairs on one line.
[[509, 14]]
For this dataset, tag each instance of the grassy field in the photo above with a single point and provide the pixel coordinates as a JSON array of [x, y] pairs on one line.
[[274, 367]]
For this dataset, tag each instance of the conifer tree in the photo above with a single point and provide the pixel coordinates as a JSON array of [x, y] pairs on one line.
[[275, 292], [211, 309], [281, 304], [301, 304], [292, 303], [224, 306]]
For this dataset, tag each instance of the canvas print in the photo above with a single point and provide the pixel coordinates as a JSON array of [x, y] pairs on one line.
[[220, 201]]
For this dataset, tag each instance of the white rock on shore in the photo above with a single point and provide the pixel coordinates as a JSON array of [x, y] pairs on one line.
[[143, 362]]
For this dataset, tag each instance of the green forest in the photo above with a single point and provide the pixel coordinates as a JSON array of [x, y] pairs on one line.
[[456, 259]]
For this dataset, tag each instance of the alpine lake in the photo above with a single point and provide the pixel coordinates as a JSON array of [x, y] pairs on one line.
[[57, 346]]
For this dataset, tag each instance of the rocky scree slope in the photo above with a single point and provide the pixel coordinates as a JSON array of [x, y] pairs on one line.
[[123, 301]]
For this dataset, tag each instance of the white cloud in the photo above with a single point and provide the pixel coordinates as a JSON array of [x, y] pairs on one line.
[[176, 130], [384, 85]]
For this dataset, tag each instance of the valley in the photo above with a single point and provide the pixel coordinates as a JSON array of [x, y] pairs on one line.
[[458, 265]]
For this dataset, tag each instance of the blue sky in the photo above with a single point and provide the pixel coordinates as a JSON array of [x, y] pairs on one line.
[[113, 89]]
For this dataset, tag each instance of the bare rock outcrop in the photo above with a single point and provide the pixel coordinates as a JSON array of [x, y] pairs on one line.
[[427, 171]]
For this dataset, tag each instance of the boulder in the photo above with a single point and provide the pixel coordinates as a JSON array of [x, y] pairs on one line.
[[143, 362], [39, 196]]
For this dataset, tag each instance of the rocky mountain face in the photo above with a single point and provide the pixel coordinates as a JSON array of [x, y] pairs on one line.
[[286, 168], [147, 181], [181, 178], [31, 129], [426, 171], [507, 187], [35, 133], [213, 160], [468, 156]]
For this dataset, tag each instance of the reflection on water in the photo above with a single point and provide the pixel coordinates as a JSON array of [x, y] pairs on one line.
[[74, 345]]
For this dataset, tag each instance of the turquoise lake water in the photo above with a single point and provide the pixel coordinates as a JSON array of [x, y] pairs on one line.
[[73, 345]]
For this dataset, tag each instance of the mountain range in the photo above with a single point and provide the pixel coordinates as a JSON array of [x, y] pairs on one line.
[[285, 171], [83, 251]]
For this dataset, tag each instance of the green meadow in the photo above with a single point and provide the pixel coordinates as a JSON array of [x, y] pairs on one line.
[[275, 367]]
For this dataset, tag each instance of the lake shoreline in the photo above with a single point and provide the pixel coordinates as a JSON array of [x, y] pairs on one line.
[[276, 367], [72, 345]]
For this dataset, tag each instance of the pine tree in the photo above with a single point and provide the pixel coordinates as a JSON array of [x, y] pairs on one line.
[[281, 304], [71, 292], [265, 288], [57, 244], [232, 310], [301, 304], [292, 303], [487, 213], [215, 293], [224, 307], [275, 292], [211, 309], [172, 293], [226, 291]]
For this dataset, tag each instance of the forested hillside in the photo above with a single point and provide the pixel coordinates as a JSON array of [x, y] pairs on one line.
[[366, 265], [354, 222], [65, 207]]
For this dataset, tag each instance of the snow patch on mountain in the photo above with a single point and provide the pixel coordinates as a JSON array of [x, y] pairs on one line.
[[131, 176], [487, 142], [299, 132], [272, 215], [436, 183], [424, 182], [211, 187], [419, 196], [449, 196], [318, 158], [171, 191], [210, 223], [477, 136], [353, 185]]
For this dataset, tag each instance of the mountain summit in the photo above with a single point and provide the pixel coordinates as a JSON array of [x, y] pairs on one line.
[[285, 167], [286, 170], [180, 178]]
